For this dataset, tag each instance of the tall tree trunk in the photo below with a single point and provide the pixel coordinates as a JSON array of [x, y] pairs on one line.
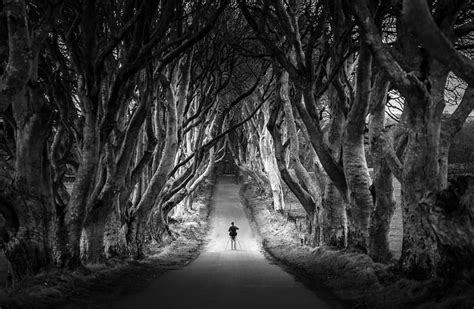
[[270, 164], [334, 204], [81, 189], [30, 249], [382, 184], [101, 205], [134, 235], [329, 158], [355, 165], [271, 169], [314, 218], [92, 241], [319, 223], [421, 176], [420, 252], [28, 205], [335, 229], [274, 126], [423, 250], [379, 249], [167, 161]]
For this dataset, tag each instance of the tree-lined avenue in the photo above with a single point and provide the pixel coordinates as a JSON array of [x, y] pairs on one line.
[[224, 278]]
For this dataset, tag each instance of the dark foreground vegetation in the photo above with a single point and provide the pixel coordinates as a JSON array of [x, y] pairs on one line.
[[113, 113]]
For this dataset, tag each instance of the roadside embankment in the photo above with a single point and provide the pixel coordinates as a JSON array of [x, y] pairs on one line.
[[353, 277], [95, 285]]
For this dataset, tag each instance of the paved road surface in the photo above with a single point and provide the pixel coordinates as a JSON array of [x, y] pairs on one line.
[[224, 278]]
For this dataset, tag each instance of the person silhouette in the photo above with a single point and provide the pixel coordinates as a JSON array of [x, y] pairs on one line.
[[233, 233]]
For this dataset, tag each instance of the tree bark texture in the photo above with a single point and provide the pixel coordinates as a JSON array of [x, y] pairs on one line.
[[27, 205], [334, 204], [450, 217], [82, 186], [167, 161], [335, 229], [101, 205], [270, 164], [355, 165], [274, 126], [420, 253], [382, 184]]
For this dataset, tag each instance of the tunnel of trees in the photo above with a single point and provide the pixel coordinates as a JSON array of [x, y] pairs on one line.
[[113, 112]]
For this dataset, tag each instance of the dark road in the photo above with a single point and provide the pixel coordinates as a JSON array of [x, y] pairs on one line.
[[223, 278]]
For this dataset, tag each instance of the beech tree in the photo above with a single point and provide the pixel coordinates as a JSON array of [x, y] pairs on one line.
[[103, 57], [113, 113], [27, 203], [421, 79], [305, 55]]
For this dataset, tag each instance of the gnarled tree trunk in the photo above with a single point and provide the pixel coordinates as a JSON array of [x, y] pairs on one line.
[[353, 155], [27, 205], [334, 204], [420, 253], [450, 217], [382, 184], [82, 186], [271, 169]]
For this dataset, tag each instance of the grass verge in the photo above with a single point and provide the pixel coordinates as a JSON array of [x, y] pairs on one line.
[[94, 286], [352, 277]]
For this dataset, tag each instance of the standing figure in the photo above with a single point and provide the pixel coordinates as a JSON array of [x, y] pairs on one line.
[[233, 233]]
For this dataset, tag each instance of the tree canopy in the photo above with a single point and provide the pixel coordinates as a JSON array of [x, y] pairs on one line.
[[115, 112]]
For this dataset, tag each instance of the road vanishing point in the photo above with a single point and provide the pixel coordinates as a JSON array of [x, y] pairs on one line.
[[225, 278]]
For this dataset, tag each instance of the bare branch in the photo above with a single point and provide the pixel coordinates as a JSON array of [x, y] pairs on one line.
[[418, 17]]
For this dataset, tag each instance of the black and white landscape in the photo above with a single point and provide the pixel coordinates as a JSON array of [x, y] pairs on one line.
[[136, 136]]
